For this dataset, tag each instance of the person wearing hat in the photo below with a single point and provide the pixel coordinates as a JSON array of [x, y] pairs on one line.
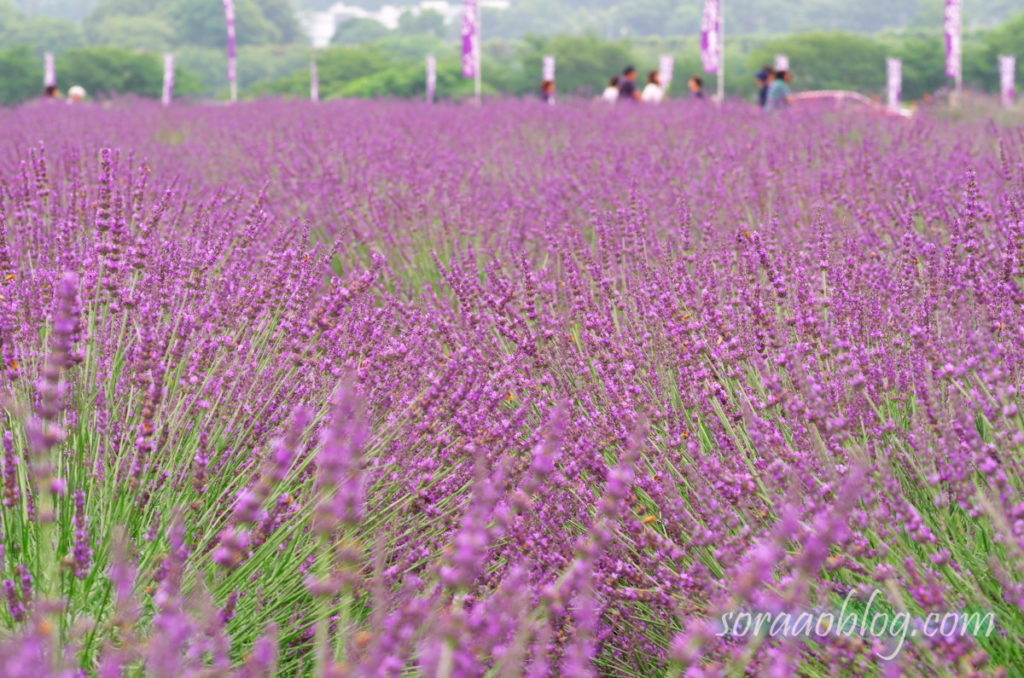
[[76, 94]]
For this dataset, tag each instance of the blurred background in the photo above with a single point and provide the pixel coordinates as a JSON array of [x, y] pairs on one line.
[[369, 48]]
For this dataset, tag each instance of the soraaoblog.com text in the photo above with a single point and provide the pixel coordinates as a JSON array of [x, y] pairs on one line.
[[870, 622]]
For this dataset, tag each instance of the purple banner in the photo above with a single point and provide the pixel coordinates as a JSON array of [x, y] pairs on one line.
[[894, 79], [168, 92], [953, 29], [314, 81], [711, 36], [666, 68], [548, 68], [431, 77], [49, 71], [229, 20], [471, 39], [1007, 79]]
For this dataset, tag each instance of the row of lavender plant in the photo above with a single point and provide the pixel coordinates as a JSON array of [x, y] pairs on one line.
[[374, 388]]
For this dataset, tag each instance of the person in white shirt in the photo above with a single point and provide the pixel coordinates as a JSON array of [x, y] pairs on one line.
[[611, 92], [653, 92]]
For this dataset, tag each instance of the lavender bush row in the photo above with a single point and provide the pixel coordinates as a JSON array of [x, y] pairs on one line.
[[383, 389]]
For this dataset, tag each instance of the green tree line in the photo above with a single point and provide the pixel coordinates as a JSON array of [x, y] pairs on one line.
[[645, 18], [392, 63], [635, 18], [394, 66]]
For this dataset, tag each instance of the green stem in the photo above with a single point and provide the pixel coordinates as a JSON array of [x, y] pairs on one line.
[[323, 569], [446, 665]]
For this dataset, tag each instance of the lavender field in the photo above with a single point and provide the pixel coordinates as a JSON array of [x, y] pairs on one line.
[[382, 389]]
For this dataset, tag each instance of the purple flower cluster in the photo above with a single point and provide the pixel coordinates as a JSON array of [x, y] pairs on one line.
[[376, 388]]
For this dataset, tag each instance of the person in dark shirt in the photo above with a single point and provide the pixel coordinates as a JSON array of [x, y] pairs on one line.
[[762, 78], [696, 87], [627, 85]]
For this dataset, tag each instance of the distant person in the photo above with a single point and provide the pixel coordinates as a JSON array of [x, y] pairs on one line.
[[76, 94], [653, 91], [611, 92], [762, 78], [696, 87], [627, 85], [51, 92], [779, 94], [547, 92]]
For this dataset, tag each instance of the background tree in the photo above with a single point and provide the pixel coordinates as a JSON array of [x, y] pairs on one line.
[[144, 32], [1007, 38], [526, 17], [111, 71], [107, 9], [829, 61], [39, 33], [358, 32], [281, 14], [424, 22], [22, 78], [413, 48], [336, 65], [636, 18], [256, 64], [274, 54], [74, 10], [644, 17], [924, 62], [201, 23], [45, 33], [583, 62]]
